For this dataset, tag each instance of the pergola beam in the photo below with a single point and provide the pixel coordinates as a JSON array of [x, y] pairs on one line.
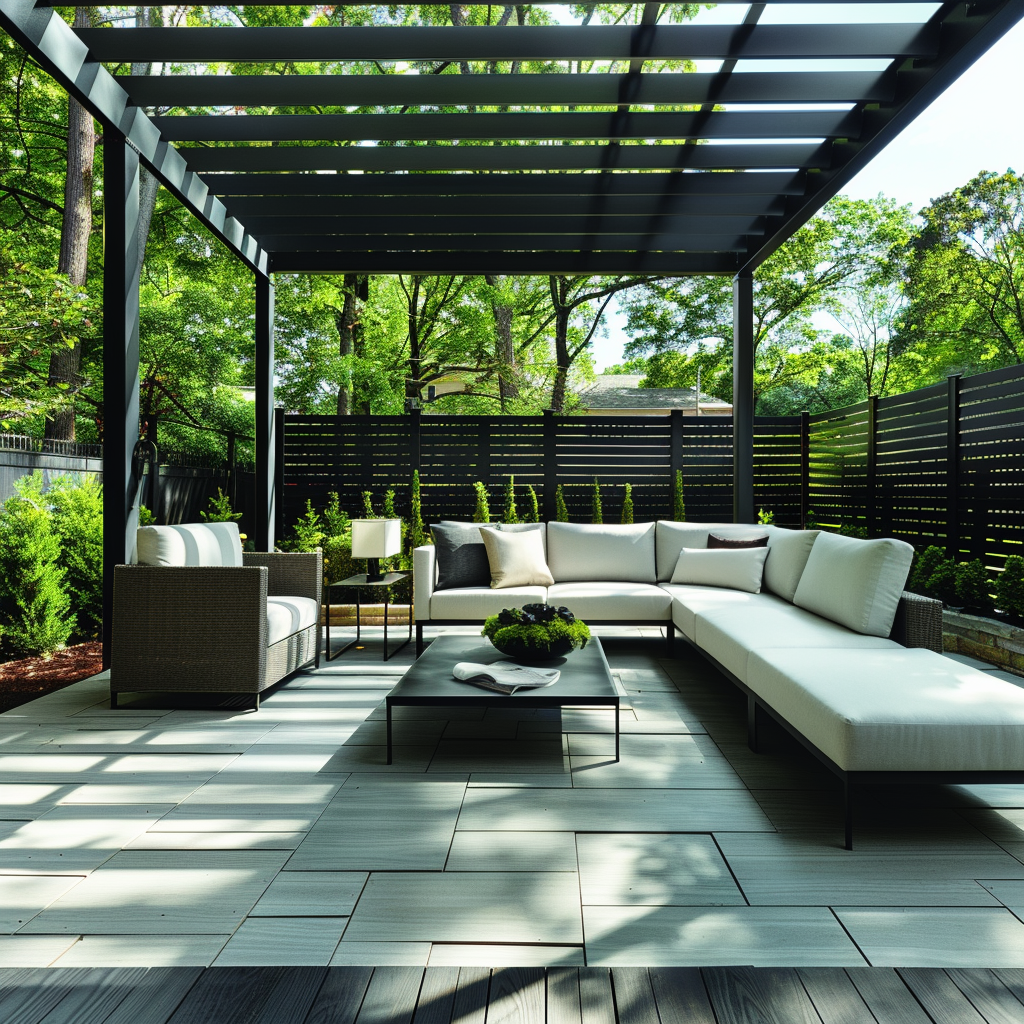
[[431, 127], [525, 43], [445, 245], [542, 158], [507, 90]]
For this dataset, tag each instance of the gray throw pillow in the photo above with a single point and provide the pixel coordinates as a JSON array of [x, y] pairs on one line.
[[461, 557]]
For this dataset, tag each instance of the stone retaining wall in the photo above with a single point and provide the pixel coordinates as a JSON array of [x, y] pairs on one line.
[[986, 639]]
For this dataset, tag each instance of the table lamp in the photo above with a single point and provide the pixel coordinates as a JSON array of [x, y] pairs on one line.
[[374, 539]]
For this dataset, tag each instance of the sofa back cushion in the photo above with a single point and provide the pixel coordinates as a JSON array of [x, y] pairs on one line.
[[601, 551], [190, 544], [672, 537], [788, 551], [856, 583], [731, 568]]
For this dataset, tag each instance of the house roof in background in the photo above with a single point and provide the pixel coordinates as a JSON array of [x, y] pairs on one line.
[[622, 391]]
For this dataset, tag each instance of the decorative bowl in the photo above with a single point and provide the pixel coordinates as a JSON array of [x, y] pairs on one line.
[[531, 655]]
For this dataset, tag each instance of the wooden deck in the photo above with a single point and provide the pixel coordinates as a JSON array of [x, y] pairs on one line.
[[511, 995], [160, 836]]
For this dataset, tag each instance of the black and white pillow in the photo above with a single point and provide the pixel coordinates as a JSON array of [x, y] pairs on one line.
[[461, 557]]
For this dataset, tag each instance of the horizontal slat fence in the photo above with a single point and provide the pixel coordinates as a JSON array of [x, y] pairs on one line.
[[352, 454]]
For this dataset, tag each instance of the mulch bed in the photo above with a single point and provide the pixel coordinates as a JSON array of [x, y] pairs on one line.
[[29, 678]]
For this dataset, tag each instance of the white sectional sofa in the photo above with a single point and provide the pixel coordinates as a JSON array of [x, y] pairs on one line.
[[830, 646]]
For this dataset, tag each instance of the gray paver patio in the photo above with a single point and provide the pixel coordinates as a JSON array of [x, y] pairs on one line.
[[184, 836]]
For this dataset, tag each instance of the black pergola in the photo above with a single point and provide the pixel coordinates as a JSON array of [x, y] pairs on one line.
[[690, 190]]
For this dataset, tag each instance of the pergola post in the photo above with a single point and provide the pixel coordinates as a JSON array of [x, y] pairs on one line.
[[120, 360], [743, 398], [266, 449]]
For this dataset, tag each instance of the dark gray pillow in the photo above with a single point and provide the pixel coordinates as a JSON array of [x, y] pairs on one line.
[[461, 557]]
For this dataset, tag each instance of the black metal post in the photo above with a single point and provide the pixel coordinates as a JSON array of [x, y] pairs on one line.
[[414, 441], [153, 494], [278, 519], [805, 466], [550, 465], [120, 360], [743, 398], [871, 477], [953, 467], [232, 472], [675, 460], [266, 451]]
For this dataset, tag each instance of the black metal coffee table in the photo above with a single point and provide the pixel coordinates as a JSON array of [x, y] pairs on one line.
[[585, 680]]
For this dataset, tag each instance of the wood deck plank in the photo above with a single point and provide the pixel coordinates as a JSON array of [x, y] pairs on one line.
[[340, 996], [564, 996], [745, 995], [437, 996], [97, 996], [233, 995], [634, 997], [596, 1001], [471, 995], [834, 996], [680, 995], [155, 998], [517, 996], [989, 996], [886, 996], [941, 999], [391, 996], [37, 992]]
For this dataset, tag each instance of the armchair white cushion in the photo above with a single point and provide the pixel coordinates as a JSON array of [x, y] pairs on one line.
[[190, 544]]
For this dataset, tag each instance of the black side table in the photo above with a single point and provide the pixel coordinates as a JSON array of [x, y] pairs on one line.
[[358, 582]]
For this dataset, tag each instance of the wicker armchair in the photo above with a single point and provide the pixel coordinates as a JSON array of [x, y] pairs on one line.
[[204, 629]]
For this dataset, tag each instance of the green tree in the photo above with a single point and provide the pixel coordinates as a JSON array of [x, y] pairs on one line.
[[596, 512], [561, 512], [417, 531], [219, 510], [532, 505], [509, 513], [627, 504], [482, 510], [77, 509]]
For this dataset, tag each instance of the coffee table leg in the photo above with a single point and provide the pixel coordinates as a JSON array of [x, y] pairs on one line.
[[616, 730], [389, 731]]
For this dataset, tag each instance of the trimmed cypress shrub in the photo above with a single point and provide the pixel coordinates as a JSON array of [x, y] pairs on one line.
[[417, 531], [627, 505], [509, 513], [482, 512], [532, 505], [1010, 586], [678, 502], [561, 512], [596, 512]]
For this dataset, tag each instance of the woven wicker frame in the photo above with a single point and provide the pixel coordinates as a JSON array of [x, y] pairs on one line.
[[204, 629]]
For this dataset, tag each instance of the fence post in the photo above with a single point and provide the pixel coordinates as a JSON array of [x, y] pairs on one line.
[[805, 466], [550, 466], [232, 473], [278, 474], [153, 496], [414, 441], [871, 475], [675, 454], [953, 466]]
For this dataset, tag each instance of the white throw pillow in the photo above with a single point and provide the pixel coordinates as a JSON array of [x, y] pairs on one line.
[[732, 568], [856, 583], [788, 551], [516, 559], [189, 544], [578, 552], [540, 528], [672, 537]]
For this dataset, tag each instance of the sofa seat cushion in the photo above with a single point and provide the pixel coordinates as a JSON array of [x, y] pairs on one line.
[[613, 601], [287, 615], [904, 710], [730, 634], [474, 604], [689, 599]]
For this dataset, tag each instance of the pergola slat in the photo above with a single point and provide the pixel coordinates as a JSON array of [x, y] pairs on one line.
[[510, 90], [523, 158], [417, 209], [614, 125], [482, 43], [488, 242]]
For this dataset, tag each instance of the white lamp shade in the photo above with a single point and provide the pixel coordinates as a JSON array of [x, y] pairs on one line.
[[376, 538]]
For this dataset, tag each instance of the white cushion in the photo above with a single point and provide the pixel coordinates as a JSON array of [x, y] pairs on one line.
[[730, 637], [287, 615], [516, 559], [688, 600], [902, 710], [601, 551], [788, 551], [855, 582], [190, 544], [474, 604], [540, 528], [613, 602], [672, 537], [733, 568]]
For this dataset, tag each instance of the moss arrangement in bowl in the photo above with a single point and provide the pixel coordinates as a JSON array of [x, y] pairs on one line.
[[535, 632]]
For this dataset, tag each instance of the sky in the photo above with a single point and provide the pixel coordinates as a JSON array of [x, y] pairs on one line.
[[928, 158]]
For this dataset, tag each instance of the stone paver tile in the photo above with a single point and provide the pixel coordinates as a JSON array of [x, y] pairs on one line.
[[311, 894], [283, 941], [143, 951], [512, 851]]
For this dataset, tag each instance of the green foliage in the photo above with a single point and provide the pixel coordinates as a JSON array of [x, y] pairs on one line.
[[336, 541], [596, 512], [368, 512], [811, 520], [482, 510], [417, 531], [35, 612], [536, 634], [627, 504], [219, 510], [929, 560], [532, 514], [509, 514], [942, 582], [765, 518], [678, 500], [561, 512], [973, 585], [852, 530], [1010, 586], [308, 532], [77, 510], [146, 518]]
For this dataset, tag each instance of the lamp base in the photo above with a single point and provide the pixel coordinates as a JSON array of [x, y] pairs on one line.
[[373, 573]]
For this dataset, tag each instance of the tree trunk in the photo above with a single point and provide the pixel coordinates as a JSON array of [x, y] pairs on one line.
[[350, 337], [74, 246], [562, 361], [412, 382], [504, 348]]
